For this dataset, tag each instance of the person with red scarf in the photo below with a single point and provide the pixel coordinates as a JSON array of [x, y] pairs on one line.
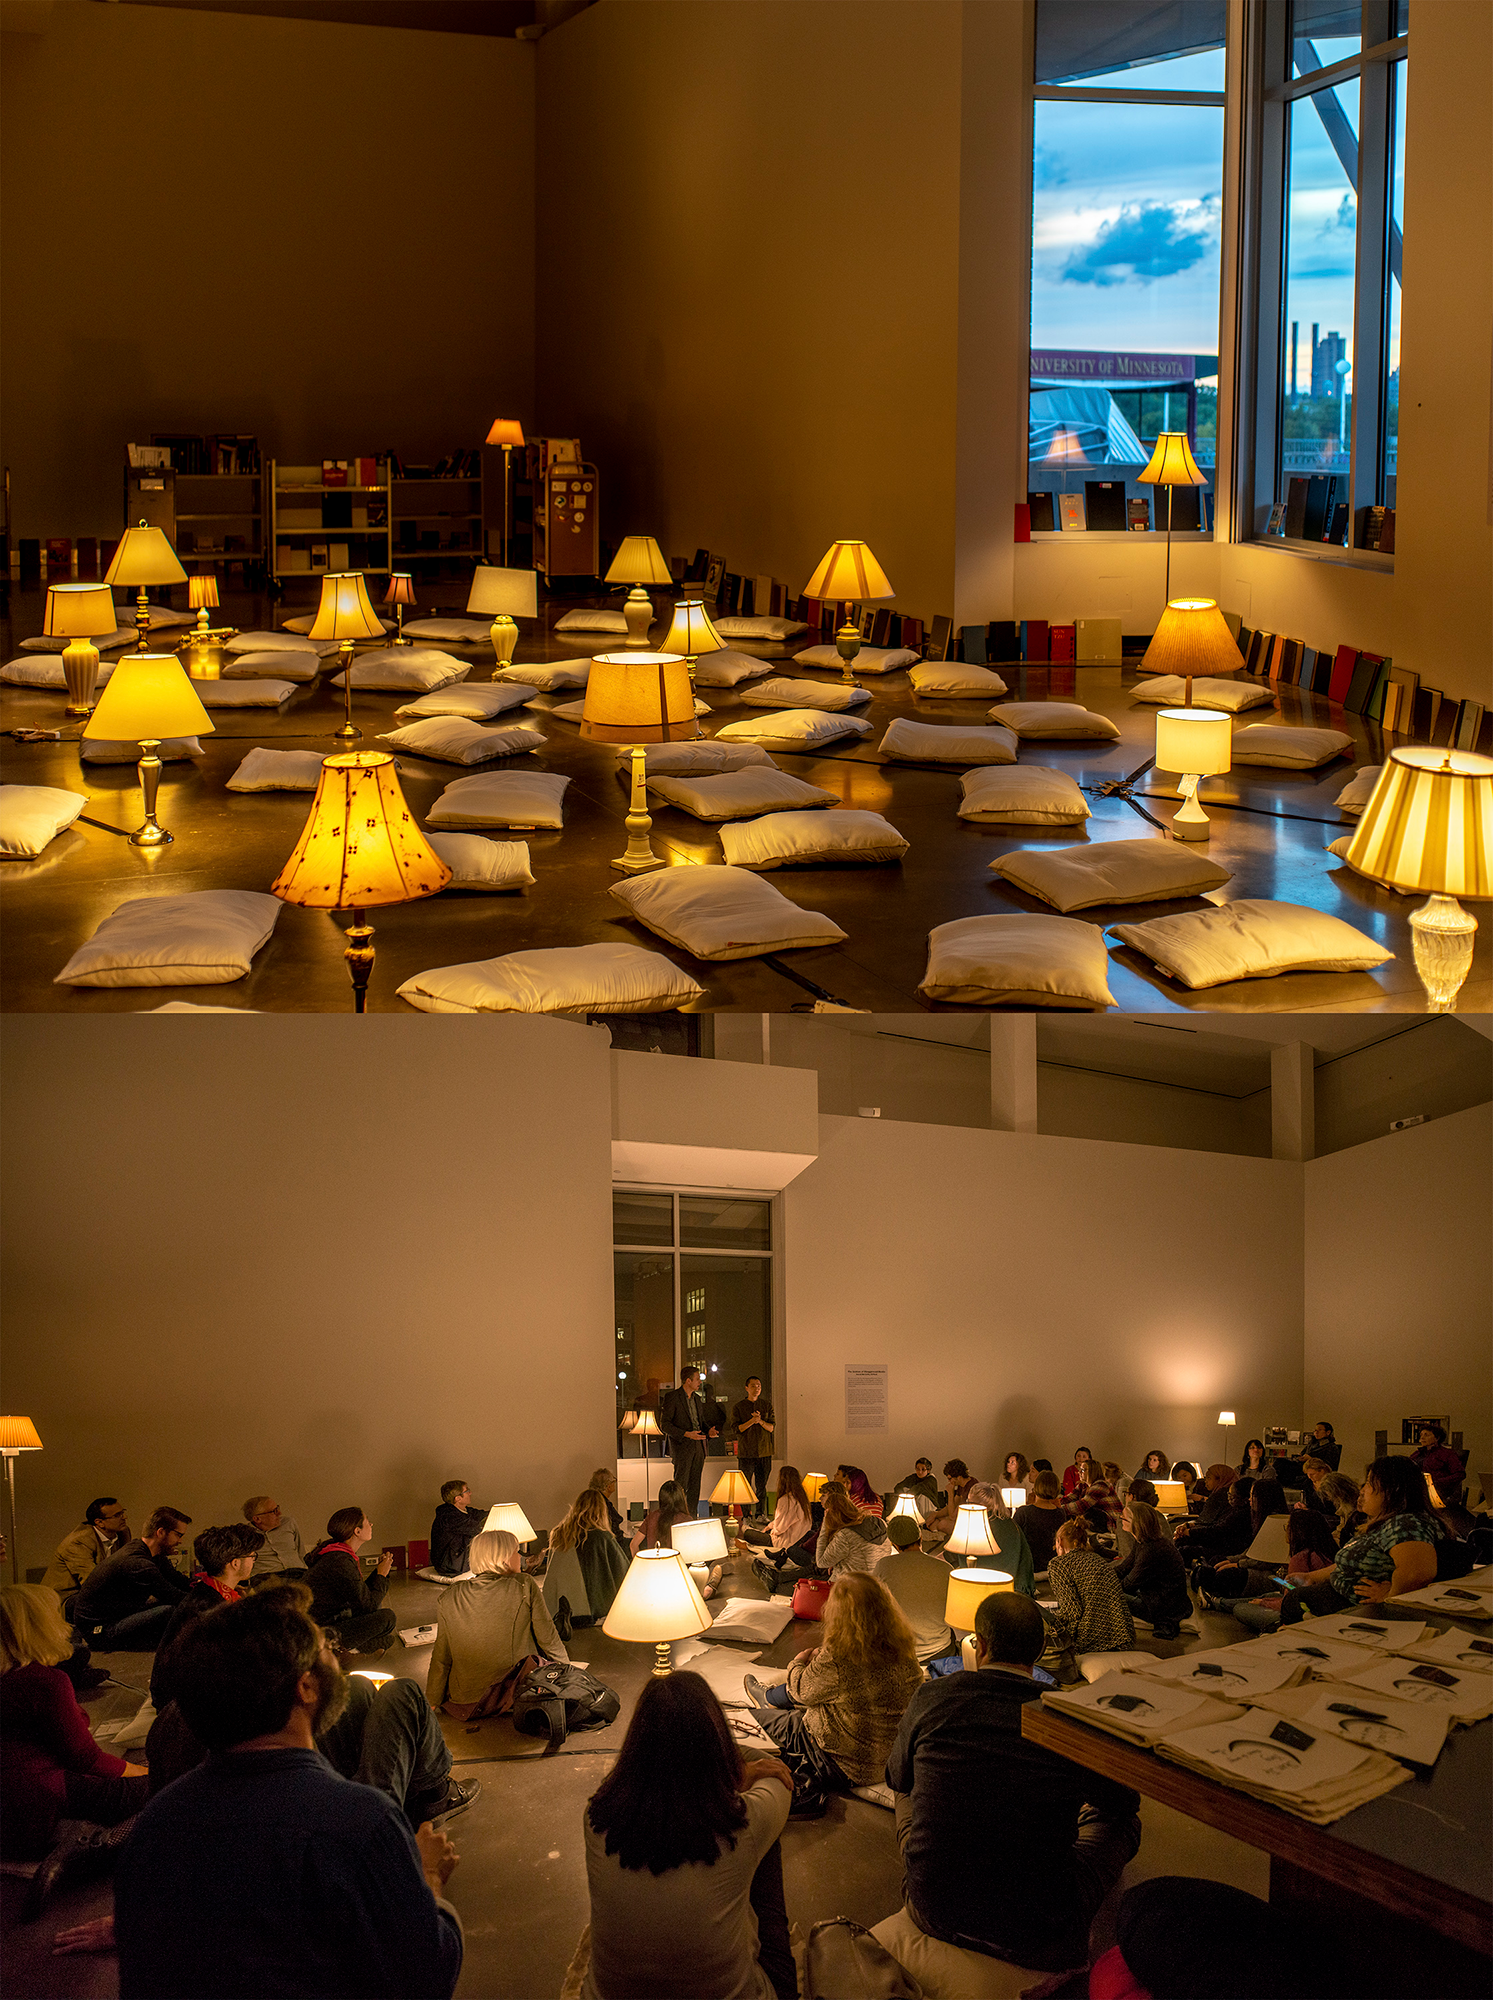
[[223, 1559]]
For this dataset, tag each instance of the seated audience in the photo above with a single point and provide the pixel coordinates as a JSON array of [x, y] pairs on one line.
[[671, 1505], [1041, 1517], [487, 1628], [1092, 1616], [587, 1530], [791, 1533], [940, 1525], [1081, 1472], [1399, 1549], [1185, 1471], [354, 1612], [1313, 1471], [1208, 1500], [124, 1604], [1440, 1464], [1256, 1462], [1155, 1465], [264, 1871], [1241, 1575], [1310, 1548], [846, 1536], [1007, 1848], [1015, 1555], [1143, 1490], [456, 1522], [1152, 1577], [1097, 1504], [224, 1558], [682, 1859], [604, 1482], [859, 1487], [921, 1484], [1325, 1445], [1017, 1472], [920, 1586], [1221, 1525], [104, 1532], [838, 1716], [282, 1554], [1339, 1495]]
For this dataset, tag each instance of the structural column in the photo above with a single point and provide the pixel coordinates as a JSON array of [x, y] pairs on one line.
[[1293, 1107], [1013, 1072]]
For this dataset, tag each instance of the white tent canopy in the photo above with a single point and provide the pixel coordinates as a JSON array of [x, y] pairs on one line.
[[1077, 427]]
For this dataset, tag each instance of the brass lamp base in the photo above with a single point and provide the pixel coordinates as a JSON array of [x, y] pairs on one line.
[[152, 833], [1191, 823], [80, 671], [210, 635], [847, 645], [142, 622], [1444, 936], [663, 1659], [638, 611], [349, 732], [399, 638], [504, 635], [359, 956], [640, 856]]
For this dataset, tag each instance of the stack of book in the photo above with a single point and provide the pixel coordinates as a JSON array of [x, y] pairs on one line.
[[1314, 1774]]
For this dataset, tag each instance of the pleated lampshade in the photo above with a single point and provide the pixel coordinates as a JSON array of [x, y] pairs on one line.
[[638, 698], [639, 560], [344, 611], [848, 572], [1428, 824], [907, 1507], [968, 1589], [147, 698], [360, 847], [691, 631], [1191, 640], [202, 591], [18, 1434], [1172, 463]]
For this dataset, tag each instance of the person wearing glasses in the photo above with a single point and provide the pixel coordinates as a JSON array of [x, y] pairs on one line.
[[104, 1532], [282, 1554]]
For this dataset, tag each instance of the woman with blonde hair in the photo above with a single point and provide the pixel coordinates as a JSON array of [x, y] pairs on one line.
[[846, 1535], [587, 1529], [486, 1629], [838, 1716]]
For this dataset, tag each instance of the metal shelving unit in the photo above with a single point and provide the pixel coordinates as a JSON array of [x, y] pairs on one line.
[[368, 543]]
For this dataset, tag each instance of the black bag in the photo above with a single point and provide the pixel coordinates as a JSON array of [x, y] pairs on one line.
[[1453, 1559], [555, 1698]]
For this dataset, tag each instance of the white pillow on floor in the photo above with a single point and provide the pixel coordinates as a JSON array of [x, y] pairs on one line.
[[404, 667], [722, 913], [591, 621], [947, 743], [1359, 789], [1112, 871], [243, 694], [99, 750], [728, 668], [279, 642], [502, 798], [794, 729], [1021, 795], [779, 693], [279, 771], [1253, 939], [806, 839], [476, 863], [1287, 748], [1168, 690], [280, 665], [757, 1619], [33, 815], [545, 675], [202, 938], [157, 615], [451, 739], [303, 626], [46, 673], [869, 660], [124, 636], [704, 755], [455, 631], [1036, 719], [578, 979], [740, 794], [478, 701], [732, 627], [1017, 962], [955, 679]]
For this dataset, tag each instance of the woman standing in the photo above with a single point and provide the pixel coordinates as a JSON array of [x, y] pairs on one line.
[[587, 1530], [486, 1627], [352, 1610]]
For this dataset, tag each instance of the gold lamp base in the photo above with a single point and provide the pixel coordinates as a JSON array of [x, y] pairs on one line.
[[349, 732], [1191, 823], [399, 638], [504, 635], [1444, 936], [847, 645], [359, 956], [640, 856], [152, 833], [80, 671], [638, 611], [663, 1659], [210, 635]]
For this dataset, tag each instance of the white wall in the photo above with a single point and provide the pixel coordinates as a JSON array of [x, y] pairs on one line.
[[1399, 1279]]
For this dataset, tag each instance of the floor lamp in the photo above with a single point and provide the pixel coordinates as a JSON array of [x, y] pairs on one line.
[[509, 433], [1172, 464], [647, 1427], [17, 1434]]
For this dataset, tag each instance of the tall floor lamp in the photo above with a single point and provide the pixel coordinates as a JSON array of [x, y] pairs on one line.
[[509, 433], [1172, 464], [17, 1434]]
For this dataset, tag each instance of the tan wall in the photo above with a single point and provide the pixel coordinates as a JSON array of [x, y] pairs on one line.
[[748, 218], [318, 232]]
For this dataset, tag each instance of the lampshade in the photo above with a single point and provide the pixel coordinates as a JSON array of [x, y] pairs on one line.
[[148, 697], [360, 846], [18, 1434], [848, 571], [1196, 741], [344, 611], [508, 1514], [370, 1674], [1065, 449], [202, 591], [657, 1600], [1014, 1496], [700, 1541], [495, 590], [144, 557], [1172, 463], [1227, 1417], [629, 1421], [971, 1534], [734, 1489], [639, 560], [907, 1507], [401, 588], [968, 1589], [814, 1483], [639, 698], [1191, 639], [1171, 1496], [1429, 823], [79, 611], [647, 1424], [506, 430], [691, 631]]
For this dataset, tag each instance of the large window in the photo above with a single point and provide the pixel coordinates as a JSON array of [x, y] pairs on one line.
[[1326, 178], [693, 1284], [1127, 189]]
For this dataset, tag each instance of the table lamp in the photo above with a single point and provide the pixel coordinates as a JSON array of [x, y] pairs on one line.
[[638, 698], [370, 1674], [1428, 826], [734, 1489], [637, 562], [848, 574], [1191, 639], [346, 615], [691, 633], [17, 1434], [144, 558], [401, 591], [80, 613], [360, 849], [907, 1507], [508, 1514], [968, 1589], [970, 1535], [1199, 742], [148, 698], [1014, 1496], [1172, 464], [202, 597], [657, 1602], [509, 433], [504, 594], [814, 1484], [700, 1541]]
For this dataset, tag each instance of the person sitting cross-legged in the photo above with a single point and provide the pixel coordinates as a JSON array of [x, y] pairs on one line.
[[1007, 1849], [920, 1586], [487, 1628], [282, 1554], [127, 1601], [1092, 1616], [353, 1611], [792, 1535]]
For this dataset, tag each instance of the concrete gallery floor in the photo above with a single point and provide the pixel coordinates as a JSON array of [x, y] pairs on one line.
[[1270, 828], [521, 1885]]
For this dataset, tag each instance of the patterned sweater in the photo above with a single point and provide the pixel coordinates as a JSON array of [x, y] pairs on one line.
[[853, 1711], [1091, 1616]]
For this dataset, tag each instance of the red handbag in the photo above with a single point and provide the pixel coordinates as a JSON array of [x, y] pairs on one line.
[[809, 1594]]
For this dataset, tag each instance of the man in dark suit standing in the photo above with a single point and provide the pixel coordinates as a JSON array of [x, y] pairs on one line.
[[683, 1413]]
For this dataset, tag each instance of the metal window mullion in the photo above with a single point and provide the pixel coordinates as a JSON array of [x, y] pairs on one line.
[[1369, 286], [678, 1314], [1049, 93], [1267, 50], [1291, 87]]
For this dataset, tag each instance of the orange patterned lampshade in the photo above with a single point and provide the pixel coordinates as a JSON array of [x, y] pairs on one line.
[[344, 611], [638, 698], [148, 698], [1172, 463], [18, 1434], [360, 846], [202, 591], [79, 611], [848, 572], [506, 430]]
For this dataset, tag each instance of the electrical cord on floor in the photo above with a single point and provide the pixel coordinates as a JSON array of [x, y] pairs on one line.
[[798, 979]]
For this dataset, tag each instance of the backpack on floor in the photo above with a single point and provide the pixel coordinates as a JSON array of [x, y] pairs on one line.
[[845, 1962], [555, 1698]]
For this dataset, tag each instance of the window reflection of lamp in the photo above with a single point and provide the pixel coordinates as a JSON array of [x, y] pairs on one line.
[[1065, 451], [646, 1427]]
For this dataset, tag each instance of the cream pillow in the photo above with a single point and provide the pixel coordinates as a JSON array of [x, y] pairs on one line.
[[1112, 871], [728, 668], [1169, 691], [579, 979], [1250, 940], [955, 678], [702, 756], [545, 675], [739, 794], [947, 743], [1287, 748], [1359, 789], [804, 694], [303, 626], [758, 628], [281, 664], [33, 815], [476, 863], [46, 673], [451, 739], [1022, 795], [800, 729], [124, 636], [869, 660], [804, 839], [405, 667], [575, 711], [202, 938], [1017, 962], [279, 642], [243, 694], [278, 771], [157, 615], [455, 631], [99, 750], [478, 701], [721, 913], [502, 798], [591, 621], [1031, 719]]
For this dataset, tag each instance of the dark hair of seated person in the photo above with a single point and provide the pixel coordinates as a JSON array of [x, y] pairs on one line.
[[345, 1522], [672, 1796], [1266, 1497], [1402, 1483], [1240, 1490], [1310, 1533], [1142, 1489], [1011, 1627], [956, 1469], [96, 1507], [791, 1486], [236, 1670], [215, 1548], [1041, 1465]]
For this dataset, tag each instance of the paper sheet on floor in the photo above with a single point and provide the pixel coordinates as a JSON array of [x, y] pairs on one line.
[[723, 1671]]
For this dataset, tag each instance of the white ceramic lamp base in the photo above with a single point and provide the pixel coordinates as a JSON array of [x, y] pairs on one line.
[[638, 611], [1190, 822]]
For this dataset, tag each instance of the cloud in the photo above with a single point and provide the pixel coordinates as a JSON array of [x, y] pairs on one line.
[[1147, 240]]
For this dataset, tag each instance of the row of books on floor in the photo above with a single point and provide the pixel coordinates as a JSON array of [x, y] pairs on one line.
[[1034, 641], [1366, 684], [734, 596]]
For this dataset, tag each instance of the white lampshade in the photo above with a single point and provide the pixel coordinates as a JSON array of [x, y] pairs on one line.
[[639, 560], [734, 1489], [1198, 742], [1428, 824], [344, 612], [907, 1507], [639, 698], [508, 1514], [144, 557], [647, 1424], [1014, 1496], [700, 1541], [18, 1434], [371, 1674], [657, 1601], [691, 631], [1226, 1417], [968, 1589], [971, 1534], [148, 697], [511, 591], [848, 572], [79, 611]]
